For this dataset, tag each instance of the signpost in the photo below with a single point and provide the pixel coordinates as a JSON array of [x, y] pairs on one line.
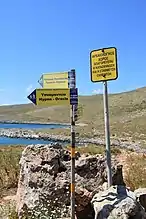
[[60, 89], [103, 67], [72, 85]]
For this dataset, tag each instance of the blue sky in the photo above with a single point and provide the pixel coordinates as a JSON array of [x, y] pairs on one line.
[[39, 36]]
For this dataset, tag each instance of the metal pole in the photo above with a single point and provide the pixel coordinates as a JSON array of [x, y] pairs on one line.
[[72, 85], [72, 163], [107, 133]]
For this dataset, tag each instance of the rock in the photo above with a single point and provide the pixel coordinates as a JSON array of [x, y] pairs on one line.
[[67, 155], [84, 208], [117, 203], [39, 188], [118, 176], [91, 171], [141, 196], [44, 183]]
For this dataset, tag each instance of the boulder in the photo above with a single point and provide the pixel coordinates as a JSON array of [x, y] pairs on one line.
[[117, 202], [141, 196], [44, 183]]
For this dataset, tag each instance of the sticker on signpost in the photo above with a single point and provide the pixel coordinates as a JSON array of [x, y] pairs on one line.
[[73, 96], [103, 64]]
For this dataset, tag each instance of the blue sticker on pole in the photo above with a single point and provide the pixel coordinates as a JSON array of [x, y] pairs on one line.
[[74, 96], [72, 79]]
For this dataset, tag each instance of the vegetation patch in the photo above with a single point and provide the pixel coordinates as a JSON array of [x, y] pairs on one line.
[[9, 163], [8, 210], [135, 173], [92, 149]]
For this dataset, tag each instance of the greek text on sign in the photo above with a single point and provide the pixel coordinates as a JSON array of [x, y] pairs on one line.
[[54, 80], [50, 97], [103, 64]]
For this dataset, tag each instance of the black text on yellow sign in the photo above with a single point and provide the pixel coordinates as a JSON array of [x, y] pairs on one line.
[[103, 64], [50, 97]]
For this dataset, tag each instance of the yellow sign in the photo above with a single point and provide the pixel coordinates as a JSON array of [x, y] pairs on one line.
[[55, 80], [103, 64], [50, 97]]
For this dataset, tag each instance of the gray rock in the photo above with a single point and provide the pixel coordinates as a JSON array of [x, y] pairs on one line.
[[141, 196], [117, 203], [44, 183]]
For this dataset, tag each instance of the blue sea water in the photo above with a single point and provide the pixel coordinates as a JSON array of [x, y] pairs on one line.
[[23, 141], [31, 126]]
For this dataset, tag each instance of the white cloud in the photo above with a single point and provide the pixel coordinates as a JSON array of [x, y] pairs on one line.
[[29, 88], [97, 91]]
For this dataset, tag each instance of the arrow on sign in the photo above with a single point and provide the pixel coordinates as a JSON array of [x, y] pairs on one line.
[[40, 81], [32, 97]]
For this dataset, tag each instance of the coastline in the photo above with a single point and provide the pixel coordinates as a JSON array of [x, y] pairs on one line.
[[31, 134], [31, 122], [38, 123]]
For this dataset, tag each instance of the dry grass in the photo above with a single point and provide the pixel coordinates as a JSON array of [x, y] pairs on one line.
[[9, 171], [8, 210], [58, 131], [92, 149], [9, 174], [135, 174]]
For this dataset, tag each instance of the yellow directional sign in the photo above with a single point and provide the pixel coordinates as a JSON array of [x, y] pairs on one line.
[[49, 97], [103, 64], [55, 80]]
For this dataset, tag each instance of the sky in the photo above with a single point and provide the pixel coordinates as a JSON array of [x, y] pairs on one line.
[[40, 36]]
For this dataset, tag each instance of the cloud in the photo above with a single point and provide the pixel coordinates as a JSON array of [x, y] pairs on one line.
[[97, 91], [29, 88]]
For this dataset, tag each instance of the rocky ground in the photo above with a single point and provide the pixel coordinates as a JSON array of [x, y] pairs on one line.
[[44, 187]]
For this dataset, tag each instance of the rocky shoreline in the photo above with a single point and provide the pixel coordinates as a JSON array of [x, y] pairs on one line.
[[31, 122], [39, 123], [30, 134]]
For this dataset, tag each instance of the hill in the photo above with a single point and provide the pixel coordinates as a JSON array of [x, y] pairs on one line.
[[127, 113]]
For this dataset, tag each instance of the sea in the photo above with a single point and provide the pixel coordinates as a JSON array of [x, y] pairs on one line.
[[23, 141]]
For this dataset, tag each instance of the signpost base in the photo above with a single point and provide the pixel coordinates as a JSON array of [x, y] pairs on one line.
[[73, 162], [107, 133]]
